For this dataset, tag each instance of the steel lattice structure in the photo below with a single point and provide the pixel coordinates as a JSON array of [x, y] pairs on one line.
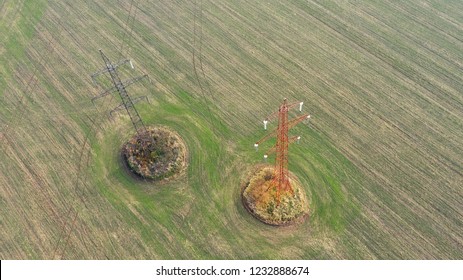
[[121, 88], [281, 174], [145, 141]]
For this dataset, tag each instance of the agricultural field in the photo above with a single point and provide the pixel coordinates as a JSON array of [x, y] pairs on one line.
[[381, 161]]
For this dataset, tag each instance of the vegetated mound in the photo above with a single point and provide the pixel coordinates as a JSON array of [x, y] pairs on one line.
[[259, 198], [160, 159]]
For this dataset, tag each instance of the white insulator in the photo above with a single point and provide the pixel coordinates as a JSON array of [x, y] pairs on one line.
[[256, 146], [131, 64], [265, 124], [300, 106], [308, 117], [298, 139], [265, 157]]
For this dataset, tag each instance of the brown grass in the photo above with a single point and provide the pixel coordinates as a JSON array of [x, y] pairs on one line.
[[260, 199]]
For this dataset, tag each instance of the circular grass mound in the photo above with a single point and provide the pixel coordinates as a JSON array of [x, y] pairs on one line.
[[163, 158], [259, 198]]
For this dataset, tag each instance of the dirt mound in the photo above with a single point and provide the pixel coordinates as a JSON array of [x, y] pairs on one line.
[[259, 198], [159, 155]]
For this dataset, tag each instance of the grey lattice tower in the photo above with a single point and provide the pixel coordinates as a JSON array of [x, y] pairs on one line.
[[120, 87]]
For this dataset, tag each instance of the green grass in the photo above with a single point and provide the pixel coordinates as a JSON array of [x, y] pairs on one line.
[[17, 30], [207, 185]]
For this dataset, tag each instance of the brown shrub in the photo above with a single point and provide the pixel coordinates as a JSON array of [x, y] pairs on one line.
[[260, 198], [158, 159]]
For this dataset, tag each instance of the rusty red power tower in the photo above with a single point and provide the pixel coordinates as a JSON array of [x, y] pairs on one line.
[[281, 174]]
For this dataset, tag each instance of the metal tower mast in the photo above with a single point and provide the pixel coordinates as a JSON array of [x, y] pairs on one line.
[[121, 88], [281, 174]]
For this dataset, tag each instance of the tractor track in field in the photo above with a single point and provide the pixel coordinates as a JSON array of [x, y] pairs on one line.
[[197, 57], [68, 221], [84, 158]]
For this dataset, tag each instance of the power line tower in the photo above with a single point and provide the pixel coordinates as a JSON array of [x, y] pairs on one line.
[[127, 102], [281, 174]]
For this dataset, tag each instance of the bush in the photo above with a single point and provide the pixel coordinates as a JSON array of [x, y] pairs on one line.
[[162, 156], [260, 198]]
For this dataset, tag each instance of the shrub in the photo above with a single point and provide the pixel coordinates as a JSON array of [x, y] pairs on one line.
[[260, 198]]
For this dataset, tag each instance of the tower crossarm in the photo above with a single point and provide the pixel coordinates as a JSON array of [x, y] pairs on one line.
[[291, 124], [268, 136], [295, 121], [274, 115], [273, 149], [106, 69], [126, 83]]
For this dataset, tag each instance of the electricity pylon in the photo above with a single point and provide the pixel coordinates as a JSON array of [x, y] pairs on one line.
[[127, 102], [281, 174]]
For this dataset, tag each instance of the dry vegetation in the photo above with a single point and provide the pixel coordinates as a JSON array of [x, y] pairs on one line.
[[260, 199], [381, 162], [163, 157]]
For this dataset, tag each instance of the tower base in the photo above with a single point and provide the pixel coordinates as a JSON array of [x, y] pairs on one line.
[[164, 159], [259, 198]]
